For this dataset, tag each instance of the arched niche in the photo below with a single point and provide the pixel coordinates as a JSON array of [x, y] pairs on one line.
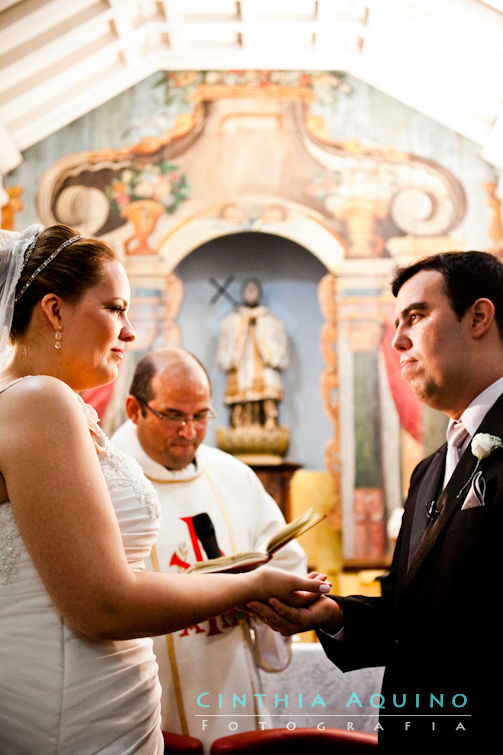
[[272, 217]]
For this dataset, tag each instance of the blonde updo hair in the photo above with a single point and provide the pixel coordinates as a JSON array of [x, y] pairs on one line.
[[74, 270]]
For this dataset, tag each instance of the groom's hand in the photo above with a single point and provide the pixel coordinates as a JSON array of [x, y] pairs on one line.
[[322, 613]]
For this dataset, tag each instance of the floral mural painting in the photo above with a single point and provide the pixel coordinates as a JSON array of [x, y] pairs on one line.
[[141, 193]]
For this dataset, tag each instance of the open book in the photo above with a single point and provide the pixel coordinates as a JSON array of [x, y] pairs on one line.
[[248, 560]]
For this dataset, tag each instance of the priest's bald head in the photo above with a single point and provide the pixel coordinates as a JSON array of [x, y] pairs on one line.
[[169, 402]]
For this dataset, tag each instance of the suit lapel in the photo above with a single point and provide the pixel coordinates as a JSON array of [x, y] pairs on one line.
[[429, 490], [448, 503], [450, 500]]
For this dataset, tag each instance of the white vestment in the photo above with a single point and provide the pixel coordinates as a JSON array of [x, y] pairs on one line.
[[205, 669]]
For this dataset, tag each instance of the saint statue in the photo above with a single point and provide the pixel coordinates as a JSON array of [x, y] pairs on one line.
[[253, 349]]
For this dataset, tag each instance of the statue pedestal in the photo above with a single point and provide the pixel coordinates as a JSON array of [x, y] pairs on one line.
[[270, 445], [263, 451]]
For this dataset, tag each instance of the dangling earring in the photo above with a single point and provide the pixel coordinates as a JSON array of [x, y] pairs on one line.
[[57, 336]]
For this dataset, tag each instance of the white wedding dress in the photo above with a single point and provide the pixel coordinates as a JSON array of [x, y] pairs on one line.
[[60, 691]]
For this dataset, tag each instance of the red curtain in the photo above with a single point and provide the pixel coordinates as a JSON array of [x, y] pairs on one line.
[[99, 398], [409, 408]]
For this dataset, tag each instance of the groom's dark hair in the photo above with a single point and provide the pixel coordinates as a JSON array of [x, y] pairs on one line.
[[468, 276]]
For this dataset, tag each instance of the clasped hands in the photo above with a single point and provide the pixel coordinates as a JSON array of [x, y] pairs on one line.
[[305, 611]]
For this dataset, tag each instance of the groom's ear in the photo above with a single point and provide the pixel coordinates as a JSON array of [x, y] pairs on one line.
[[481, 317]]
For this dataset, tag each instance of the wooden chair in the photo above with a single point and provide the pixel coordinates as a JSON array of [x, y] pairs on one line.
[[295, 742]]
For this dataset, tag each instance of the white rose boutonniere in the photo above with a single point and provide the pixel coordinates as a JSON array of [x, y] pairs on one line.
[[482, 446]]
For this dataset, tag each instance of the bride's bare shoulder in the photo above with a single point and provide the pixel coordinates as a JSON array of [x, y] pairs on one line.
[[36, 395]]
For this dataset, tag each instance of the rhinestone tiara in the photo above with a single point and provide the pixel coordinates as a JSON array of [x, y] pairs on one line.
[[45, 263]]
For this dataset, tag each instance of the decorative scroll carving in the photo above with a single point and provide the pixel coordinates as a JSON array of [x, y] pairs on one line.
[[378, 194], [80, 188]]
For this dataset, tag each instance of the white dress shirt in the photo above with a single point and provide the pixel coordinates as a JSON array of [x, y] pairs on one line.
[[477, 410]]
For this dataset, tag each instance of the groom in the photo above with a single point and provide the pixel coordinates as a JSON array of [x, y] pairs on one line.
[[436, 628]]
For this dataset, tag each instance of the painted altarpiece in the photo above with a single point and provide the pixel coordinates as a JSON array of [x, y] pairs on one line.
[[248, 153]]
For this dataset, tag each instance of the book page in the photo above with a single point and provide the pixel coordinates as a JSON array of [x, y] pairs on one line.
[[304, 522]]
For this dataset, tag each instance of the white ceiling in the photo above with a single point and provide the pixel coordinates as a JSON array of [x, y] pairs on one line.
[[61, 58]]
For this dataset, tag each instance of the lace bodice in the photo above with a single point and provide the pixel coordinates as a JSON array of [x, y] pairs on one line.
[[9, 554]]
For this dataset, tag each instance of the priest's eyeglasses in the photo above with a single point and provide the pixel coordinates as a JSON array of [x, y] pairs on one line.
[[177, 419]]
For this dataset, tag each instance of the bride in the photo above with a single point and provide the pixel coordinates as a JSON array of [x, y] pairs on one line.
[[77, 517]]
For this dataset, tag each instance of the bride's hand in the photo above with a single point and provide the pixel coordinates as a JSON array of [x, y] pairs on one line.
[[289, 588], [304, 599]]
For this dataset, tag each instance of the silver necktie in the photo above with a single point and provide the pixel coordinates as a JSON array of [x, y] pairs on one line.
[[456, 436]]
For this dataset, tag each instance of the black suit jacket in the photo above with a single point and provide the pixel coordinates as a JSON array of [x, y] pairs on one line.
[[436, 628]]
